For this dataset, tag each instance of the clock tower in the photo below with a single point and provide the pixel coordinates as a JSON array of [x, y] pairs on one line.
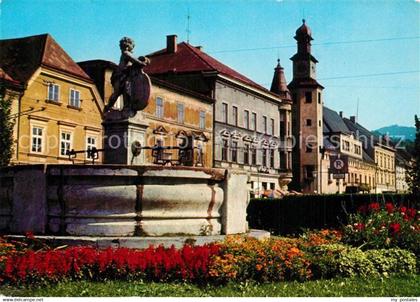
[[306, 116]]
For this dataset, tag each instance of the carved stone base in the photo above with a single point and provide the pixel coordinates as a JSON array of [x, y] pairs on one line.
[[123, 130]]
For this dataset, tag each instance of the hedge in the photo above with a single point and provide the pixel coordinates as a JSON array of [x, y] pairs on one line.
[[293, 213]]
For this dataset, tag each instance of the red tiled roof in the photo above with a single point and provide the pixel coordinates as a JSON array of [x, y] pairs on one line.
[[6, 77], [21, 57], [188, 58]]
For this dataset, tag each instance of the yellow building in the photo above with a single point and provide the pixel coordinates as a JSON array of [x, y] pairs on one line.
[[60, 108], [175, 115]]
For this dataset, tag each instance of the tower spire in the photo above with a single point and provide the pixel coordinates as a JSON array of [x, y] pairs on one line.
[[279, 84]]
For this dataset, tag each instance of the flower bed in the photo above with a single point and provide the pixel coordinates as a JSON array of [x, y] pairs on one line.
[[314, 255], [376, 226]]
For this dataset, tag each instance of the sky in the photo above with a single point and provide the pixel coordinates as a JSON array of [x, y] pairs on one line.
[[368, 51]]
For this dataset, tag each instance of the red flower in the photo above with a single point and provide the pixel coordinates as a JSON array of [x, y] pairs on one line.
[[403, 210], [394, 228], [411, 213], [29, 235], [359, 226], [362, 209], [374, 207], [389, 207]]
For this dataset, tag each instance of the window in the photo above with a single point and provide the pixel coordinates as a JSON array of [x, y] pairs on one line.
[[224, 149], [254, 155], [159, 107], [282, 124], [272, 158], [308, 122], [74, 98], [246, 154], [180, 108], [319, 123], [272, 185], [346, 146], [53, 92], [357, 149], [224, 113], [265, 124], [319, 97], [272, 126], [246, 119], [234, 152], [65, 144], [264, 185], [90, 144], [283, 161], [235, 115], [254, 121], [264, 157], [37, 136], [308, 97], [202, 119]]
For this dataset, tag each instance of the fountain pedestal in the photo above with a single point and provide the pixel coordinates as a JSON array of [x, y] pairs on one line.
[[123, 132]]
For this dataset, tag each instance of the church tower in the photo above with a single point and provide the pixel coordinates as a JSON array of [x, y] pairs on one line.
[[307, 116]]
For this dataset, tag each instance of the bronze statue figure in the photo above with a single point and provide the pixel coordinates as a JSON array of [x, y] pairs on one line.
[[129, 80]]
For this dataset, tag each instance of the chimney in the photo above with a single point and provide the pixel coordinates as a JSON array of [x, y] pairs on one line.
[[199, 47], [341, 114], [171, 46], [353, 119]]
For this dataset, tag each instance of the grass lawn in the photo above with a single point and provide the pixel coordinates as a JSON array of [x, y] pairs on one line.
[[406, 286]]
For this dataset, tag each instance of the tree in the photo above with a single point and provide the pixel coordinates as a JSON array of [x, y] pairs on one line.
[[6, 131], [413, 178]]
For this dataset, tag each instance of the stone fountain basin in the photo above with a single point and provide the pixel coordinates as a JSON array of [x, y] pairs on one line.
[[116, 200]]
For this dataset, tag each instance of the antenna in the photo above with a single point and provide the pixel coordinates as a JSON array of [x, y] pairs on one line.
[[357, 110], [188, 26]]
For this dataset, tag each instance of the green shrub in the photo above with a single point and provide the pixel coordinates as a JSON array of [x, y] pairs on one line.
[[392, 261], [339, 260]]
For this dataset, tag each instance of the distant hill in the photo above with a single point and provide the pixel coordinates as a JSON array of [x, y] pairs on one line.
[[396, 132]]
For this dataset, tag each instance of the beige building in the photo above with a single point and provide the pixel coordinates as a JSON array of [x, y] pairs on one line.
[[59, 109], [338, 139], [381, 151], [175, 117]]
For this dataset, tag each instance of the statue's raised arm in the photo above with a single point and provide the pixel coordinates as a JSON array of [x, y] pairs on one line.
[[129, 80]]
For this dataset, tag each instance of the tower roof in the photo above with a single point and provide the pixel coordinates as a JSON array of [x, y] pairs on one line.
[[279, 84], [303, 31], [21, 57]]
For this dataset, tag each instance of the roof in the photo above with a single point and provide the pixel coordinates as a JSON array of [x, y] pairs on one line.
[[21, 57], [334, 122], [279, 84], [303, 30], [96, 68], [5, 77], [304, 82], [187, 59]]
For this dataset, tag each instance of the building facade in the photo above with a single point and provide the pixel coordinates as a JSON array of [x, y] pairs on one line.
[[176, 117], [247, 125], [360, 176], [59, 109]]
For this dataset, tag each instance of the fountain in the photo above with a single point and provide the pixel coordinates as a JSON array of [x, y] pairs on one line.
[[123, 202]]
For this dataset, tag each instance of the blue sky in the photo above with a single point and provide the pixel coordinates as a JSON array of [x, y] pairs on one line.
[[351, 38]]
